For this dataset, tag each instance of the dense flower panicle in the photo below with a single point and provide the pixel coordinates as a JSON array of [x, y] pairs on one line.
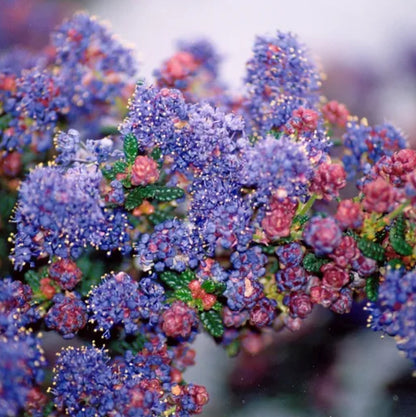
[[34, 108], [349, 214], [152, 117], [221, 214], [280, 70], [368, 144], [280, 166], [395, 311], [278, 217], [346, 252], [95, 395], [21, 363], [69, 219], [174, 244], [322, 234], [396, 168], [96, 67], [243, 286], [68, 314], [290, 255], [263, 313], [211, 142], [18, 59], [203, 52], [292, 278], [379, 196], [66, 273], [328, 179], [299, 303], [119, 300], [179, 320], [16, 309]]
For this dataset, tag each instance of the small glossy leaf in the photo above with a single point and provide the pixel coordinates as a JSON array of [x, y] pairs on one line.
[[371, 288], [130, 148], [183, 294], [212, 322], [371, 249]]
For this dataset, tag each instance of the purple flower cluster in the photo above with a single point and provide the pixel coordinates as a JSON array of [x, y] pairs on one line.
[[366, 145], [71, 218], [143, 384], [95, 66], [34, 108], [68, 314], [89, 69], [174, 244], [277, 166], [95, 395], [16, 309], [152, 117], [21, 368], [118, 299], [243, 286], [280, 78]]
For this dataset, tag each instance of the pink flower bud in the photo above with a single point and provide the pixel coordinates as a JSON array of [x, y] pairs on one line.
[[144, 171]]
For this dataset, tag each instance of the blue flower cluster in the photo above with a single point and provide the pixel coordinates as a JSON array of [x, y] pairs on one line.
[[16, 309], [280, 78], [96, 67], [277, 166], [21, 369], [395, 311], [34, 109], [118, 299], [152, 117], [88, 70], [95, 395], [70, 219], [174, 244], [366, 145], [243, 286]]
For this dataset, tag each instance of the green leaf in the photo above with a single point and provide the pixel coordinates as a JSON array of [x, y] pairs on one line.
[[134, 199], [188, 276], [312, 263], [300, 219], [217, 306], [371, 249], [161, 193], [172, 279], [397, 237], [108, 174], [48, 409], [4, 121], [233, 348], [212, 322], [119, 167], [92, 271], [396, 263], [130, 148], [33, 279], [133, 343], [209, 286], [157, 192], [159, 217], [371, 288], [156, 155], [268, 250], [183, 294]]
